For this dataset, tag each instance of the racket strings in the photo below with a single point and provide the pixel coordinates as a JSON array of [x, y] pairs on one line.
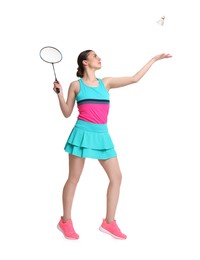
[[51, 55]]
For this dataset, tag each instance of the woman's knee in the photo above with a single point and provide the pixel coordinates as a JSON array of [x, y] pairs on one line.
[[116, 178], [119, 177], [74, 178]]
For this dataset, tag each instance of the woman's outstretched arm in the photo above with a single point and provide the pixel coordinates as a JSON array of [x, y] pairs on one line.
[[124, 81]]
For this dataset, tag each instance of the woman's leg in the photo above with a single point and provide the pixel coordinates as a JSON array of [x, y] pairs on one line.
[[111, 167], [76, 165]]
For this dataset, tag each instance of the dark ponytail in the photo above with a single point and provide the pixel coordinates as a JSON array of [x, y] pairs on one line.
[[81, 57]]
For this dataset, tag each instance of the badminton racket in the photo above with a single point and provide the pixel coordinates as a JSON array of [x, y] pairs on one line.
[[51, 55]]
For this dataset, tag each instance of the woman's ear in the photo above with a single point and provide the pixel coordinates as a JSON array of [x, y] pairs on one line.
[[85, 62]]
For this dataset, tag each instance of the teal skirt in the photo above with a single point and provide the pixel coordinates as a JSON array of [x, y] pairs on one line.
[[89, 140]]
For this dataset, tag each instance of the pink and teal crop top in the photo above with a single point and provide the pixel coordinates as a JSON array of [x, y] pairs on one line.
[[93, 103]]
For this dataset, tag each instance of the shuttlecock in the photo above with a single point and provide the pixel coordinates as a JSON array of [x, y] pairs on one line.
[[161, 21]]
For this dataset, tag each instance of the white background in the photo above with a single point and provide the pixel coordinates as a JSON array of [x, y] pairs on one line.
[[154, 125]]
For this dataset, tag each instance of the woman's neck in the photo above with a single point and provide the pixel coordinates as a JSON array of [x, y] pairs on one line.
[[90, 78]]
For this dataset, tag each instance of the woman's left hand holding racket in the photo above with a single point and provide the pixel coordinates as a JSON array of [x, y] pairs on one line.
[[57, 87]]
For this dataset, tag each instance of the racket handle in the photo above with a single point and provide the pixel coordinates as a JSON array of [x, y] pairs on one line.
[[57, 90]]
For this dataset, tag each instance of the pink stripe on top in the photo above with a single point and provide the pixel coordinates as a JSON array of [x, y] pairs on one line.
[[95, 113]]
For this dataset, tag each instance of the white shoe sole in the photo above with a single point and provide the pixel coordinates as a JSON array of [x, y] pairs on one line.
[[107, 232]]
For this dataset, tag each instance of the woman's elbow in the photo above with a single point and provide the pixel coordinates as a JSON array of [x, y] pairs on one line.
[[67, 114]]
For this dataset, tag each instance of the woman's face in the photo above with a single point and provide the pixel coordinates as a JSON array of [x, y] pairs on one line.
[[93, 61]]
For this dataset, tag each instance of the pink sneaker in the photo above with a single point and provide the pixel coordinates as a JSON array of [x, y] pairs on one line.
[[67, 229], [112, 229]]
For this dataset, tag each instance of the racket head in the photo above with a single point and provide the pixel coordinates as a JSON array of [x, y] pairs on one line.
[[50, 54]]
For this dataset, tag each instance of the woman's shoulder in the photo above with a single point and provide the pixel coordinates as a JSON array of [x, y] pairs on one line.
[[75, 86], [105, 81], [74, 83]]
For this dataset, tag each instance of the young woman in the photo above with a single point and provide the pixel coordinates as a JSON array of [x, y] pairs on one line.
[[90, 137]]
